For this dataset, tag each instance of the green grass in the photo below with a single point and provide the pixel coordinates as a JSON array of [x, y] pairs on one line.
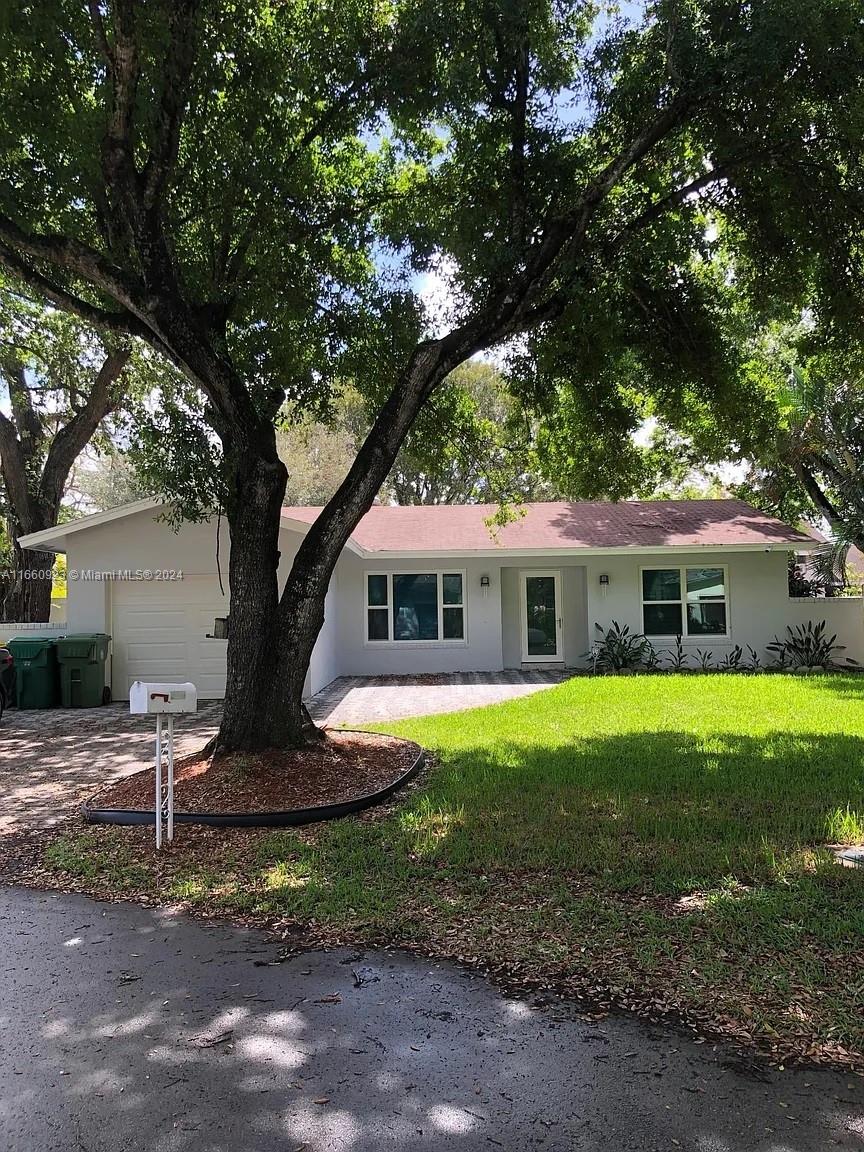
[[660, 837], [656, 783]]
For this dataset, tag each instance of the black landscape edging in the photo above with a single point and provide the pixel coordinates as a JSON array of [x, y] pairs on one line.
[[287, 818]]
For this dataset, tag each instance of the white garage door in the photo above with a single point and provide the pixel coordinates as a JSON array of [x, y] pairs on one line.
[[160, 633]]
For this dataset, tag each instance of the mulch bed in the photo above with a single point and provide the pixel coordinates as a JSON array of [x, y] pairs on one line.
[[343, 766]]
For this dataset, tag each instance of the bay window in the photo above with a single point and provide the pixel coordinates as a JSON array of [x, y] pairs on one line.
[[423, 607], [684, 602]]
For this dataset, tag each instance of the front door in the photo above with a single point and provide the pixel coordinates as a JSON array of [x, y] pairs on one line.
[[541, 617]]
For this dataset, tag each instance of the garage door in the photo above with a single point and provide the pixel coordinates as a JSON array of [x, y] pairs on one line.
[[160, 633]]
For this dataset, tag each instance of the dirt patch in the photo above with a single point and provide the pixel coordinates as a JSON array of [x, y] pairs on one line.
[[342, 766]]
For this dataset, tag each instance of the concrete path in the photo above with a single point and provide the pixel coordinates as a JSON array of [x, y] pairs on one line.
[[123, 1028], [51, 761]]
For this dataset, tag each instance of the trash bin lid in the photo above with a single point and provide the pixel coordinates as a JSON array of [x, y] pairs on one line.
[[28, 647], [81, 645]]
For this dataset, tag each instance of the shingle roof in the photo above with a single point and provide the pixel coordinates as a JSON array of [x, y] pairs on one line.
[[557, 525]]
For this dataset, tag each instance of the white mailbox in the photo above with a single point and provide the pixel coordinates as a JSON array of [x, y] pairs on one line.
[[163, 701], [159, 699]]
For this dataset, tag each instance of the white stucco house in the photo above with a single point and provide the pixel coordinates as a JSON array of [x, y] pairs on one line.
[[431, 589]]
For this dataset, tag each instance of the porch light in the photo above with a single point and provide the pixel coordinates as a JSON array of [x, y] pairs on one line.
[[604, 583], [484, 585], [220, 629]]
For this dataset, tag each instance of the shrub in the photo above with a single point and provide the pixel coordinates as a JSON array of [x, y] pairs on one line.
[[620, 650], [678, 657], [706, 660], [807, 646], [754, 664], [733, 661]]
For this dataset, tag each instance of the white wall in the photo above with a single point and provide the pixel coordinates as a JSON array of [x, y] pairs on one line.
[[324, 665], [758, 607], [843, 615], [481, 653], [141, 541], [511, 625], [9, 629]]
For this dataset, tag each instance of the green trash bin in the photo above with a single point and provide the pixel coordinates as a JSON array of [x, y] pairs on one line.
[[82, 660], [37, 683]]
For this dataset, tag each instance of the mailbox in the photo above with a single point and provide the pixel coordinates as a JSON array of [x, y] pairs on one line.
[[159, 699]]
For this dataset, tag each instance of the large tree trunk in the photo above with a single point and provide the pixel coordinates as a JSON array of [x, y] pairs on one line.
[[271, 639], [28, 595], [251, 718], [30, 601]]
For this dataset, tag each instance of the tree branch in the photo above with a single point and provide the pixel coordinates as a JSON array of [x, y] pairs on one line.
[[28, 424], [71, 440], [814, 491], [518, 140], [678, 195], [73, 256], [118, 161], [101, 318], [570, 228], [176, 72], [99, 28], [13, 468]]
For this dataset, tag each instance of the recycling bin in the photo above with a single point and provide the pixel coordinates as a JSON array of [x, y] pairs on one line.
[[37, 683], [82, 658]]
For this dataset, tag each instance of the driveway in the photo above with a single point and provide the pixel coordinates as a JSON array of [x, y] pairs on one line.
[[126, 1028], [51, 761]]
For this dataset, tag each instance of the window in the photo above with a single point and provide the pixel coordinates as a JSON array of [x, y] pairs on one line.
[[424, 607], [684, 602]]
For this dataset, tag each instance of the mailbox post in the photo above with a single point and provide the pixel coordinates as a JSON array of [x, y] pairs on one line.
[[163, 701]]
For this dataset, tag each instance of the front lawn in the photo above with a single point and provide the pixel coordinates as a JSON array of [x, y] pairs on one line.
[[649, 841]]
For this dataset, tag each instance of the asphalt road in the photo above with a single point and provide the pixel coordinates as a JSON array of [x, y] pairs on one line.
[[127, 1028]]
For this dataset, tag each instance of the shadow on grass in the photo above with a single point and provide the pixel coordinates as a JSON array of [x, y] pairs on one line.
[[690, 867], [849, 686], [667, 807]]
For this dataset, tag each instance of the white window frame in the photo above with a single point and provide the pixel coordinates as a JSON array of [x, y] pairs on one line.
[[682, 576], [391, 575]]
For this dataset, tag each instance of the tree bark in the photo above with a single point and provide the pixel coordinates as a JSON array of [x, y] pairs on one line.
[[35, 496], [28, 599], [270, 644], [254, 518]]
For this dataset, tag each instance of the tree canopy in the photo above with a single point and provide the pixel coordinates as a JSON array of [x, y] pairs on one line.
[[473, 444], [813, 466], [58, 386], [254, 189]]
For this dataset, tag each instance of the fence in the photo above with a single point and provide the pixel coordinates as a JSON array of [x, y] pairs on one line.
[[8, 629]]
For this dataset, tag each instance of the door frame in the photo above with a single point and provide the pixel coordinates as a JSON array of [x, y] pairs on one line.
[[555, 573]]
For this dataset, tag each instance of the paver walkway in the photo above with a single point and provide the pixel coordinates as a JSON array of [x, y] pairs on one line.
[[51, 761], [124, 1029], [370, 699]]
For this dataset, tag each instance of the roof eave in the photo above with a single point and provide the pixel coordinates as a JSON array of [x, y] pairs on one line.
[[621, 550], [53, 539]]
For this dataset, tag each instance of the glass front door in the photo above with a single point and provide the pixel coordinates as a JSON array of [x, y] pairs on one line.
[[541, 629]]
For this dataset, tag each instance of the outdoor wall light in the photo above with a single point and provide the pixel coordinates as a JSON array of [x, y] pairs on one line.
[[485, 584], [604, 583], [220, 629]]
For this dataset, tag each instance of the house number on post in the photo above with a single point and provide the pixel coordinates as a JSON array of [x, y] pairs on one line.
[[163, 701]]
